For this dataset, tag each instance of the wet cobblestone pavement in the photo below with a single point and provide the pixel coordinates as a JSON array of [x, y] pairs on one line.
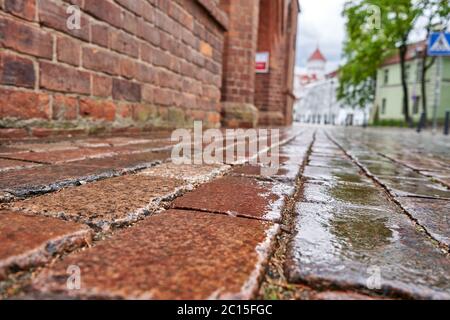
[[350, 213]]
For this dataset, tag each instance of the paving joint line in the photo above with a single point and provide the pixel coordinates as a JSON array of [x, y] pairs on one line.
[[274, 280], [392, 197], [415, 170]]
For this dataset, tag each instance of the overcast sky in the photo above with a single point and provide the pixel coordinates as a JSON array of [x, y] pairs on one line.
[[321, 23]]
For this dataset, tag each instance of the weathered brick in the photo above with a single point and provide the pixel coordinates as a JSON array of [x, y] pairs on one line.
[[104, 10], [147, 74], [68, 51], [148, 32], [128, 68], [101, 86], [13, 133], [61, 156], [16, 71], [100, 35], [237, 196], [65, 108], [130, 22], [22, 8], [43, 179], [65, 79], [24, 105], [124, 43], [135, 6], [26, 39], [54, 15], [101, 60], [126, 90], [108, 202], [97, 109], [7, 164], [223, 256], [30, 241]]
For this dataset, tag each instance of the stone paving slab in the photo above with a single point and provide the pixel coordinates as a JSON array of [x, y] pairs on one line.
[[125, 163], [194, 174], [432, 214], [401, 187], [335, 174], [7, 165], [358, 194], [337, 246], [61, 156], [342, 296], [288, 167], [238, 196], [48, 178], [386, 168], [45, 147], [315, 161], [172, 255], [106, 203], [43, 179], [30, 241]]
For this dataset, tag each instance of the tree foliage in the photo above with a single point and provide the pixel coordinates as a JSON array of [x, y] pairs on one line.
[[376, 29]]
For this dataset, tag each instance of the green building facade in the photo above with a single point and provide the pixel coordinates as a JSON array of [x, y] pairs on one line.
[[389, 93]]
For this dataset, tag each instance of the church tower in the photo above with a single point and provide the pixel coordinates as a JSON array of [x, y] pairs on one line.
[[316, 65]]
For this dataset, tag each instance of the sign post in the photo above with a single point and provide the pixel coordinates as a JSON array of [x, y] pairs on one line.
[[438, 46]]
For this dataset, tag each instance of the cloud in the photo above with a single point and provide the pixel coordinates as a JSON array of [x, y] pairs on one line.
[[321, 23]]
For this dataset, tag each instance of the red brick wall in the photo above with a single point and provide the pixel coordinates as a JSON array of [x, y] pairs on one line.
[[277, 35], [141, 63], [240, 50]]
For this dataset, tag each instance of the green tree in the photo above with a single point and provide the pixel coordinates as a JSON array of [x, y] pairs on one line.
[[396, 21], [436, 13]]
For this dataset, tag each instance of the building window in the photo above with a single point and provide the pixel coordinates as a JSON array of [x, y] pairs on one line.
[[386, 76], [383, 106]]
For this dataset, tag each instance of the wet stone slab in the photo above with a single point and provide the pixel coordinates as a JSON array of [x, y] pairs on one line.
[[105, 203], [127, 163], [385, 168], [43, 179], [61, 156], [30, 241], [45, 147], [172, 255], [432, 214], [415, 187], [335, 174], [238, 196], [356, 194], [341, 295], [330, 163], [7, 165], [339, 246], [286, 168], [194, 174]]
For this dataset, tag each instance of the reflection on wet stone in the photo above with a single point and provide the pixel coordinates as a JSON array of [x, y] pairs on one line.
[[335, 245]]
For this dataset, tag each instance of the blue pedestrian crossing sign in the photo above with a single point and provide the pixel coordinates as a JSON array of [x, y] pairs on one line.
[[439, 44]]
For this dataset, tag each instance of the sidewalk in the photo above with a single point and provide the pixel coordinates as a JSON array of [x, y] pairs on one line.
[[349, 214]]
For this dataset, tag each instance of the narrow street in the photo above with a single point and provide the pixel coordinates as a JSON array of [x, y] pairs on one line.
[[351, 213]]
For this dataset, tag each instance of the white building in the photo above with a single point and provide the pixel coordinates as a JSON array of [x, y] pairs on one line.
[[316, 94]]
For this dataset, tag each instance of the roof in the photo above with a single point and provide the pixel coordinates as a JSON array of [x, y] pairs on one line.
[[333, 74], [410, 55], [317, 56]]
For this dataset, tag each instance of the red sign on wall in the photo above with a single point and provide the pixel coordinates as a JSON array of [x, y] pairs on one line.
[[262, 62]]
